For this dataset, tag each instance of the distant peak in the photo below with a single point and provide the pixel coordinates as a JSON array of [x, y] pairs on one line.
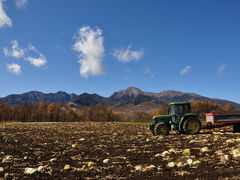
[[133, 88], [132, 91], [127, 93], [32, 92]]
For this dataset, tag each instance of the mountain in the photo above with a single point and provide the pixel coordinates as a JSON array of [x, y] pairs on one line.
[[130, 99], [86, 99], [36, 97], [170, 96], [134, 99], [126, 94], [132, 94]]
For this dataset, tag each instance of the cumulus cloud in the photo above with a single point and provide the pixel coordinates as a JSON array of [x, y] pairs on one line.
[[21, 3], [89, 45], [36, 61], [4, 19], [15, 50], [185, 70], [14, 68], [221, 69], [148, 72], [127, 55]]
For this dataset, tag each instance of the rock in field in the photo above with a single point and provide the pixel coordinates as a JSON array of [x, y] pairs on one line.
[[90, 164], [180, 164], [42, 169], [205, 149], [172, 150], [106, 161], [165, 153], [236, 153], [138, 168], [30, 170], [231, 141], [189, 162], [7, 158], [151, 167], [197, 162], [158, 155], [74, 145], [53, 160], [224, 158], [67, 167], [171, 164]]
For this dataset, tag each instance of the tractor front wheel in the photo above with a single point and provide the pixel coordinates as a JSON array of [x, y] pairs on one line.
[[191, 126], [161, 128]]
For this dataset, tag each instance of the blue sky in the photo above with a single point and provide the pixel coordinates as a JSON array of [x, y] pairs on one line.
[[104, 46]]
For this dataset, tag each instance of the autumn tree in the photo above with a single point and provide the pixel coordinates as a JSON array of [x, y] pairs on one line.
[[51, 111], [42, 111], [162, 110], [229, 108]]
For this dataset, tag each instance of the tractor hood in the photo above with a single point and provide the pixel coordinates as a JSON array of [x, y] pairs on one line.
[[162, 117]]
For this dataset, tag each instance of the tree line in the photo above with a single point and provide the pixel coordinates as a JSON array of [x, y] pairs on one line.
[[56, 112]]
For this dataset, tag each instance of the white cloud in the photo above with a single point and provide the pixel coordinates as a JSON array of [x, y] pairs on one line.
[[15, 51], [4, 19], [18, 52], [148, 72], [185, 70], [21, 3], [127, 55], [89, 45], [221, 69], [39, 61], [14, 68], [32, 48]]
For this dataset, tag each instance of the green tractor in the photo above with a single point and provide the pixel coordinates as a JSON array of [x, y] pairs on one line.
[[179, 118]]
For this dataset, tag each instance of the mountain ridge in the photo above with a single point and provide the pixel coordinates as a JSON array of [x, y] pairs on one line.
[[37, 96], [131, 97]]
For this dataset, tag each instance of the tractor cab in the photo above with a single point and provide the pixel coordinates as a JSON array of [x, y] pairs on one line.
[[179, 108]]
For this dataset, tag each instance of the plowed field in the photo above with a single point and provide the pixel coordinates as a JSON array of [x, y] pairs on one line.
[[114, 151]]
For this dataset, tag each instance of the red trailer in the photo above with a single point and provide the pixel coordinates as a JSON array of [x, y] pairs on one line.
[[214, 120]]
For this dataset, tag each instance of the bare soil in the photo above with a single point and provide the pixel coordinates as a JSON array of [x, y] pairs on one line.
[[132, 152]]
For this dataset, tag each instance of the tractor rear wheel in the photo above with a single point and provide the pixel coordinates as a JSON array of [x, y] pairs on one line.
[[236, 128], [161, 128], [191, 125]]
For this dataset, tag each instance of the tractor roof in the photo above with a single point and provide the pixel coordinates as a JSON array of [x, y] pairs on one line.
[[178, 103]]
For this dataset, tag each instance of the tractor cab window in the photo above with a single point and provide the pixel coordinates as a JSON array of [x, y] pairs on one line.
[[179, 110], [171, 110], [187, 108], [182, 109]]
